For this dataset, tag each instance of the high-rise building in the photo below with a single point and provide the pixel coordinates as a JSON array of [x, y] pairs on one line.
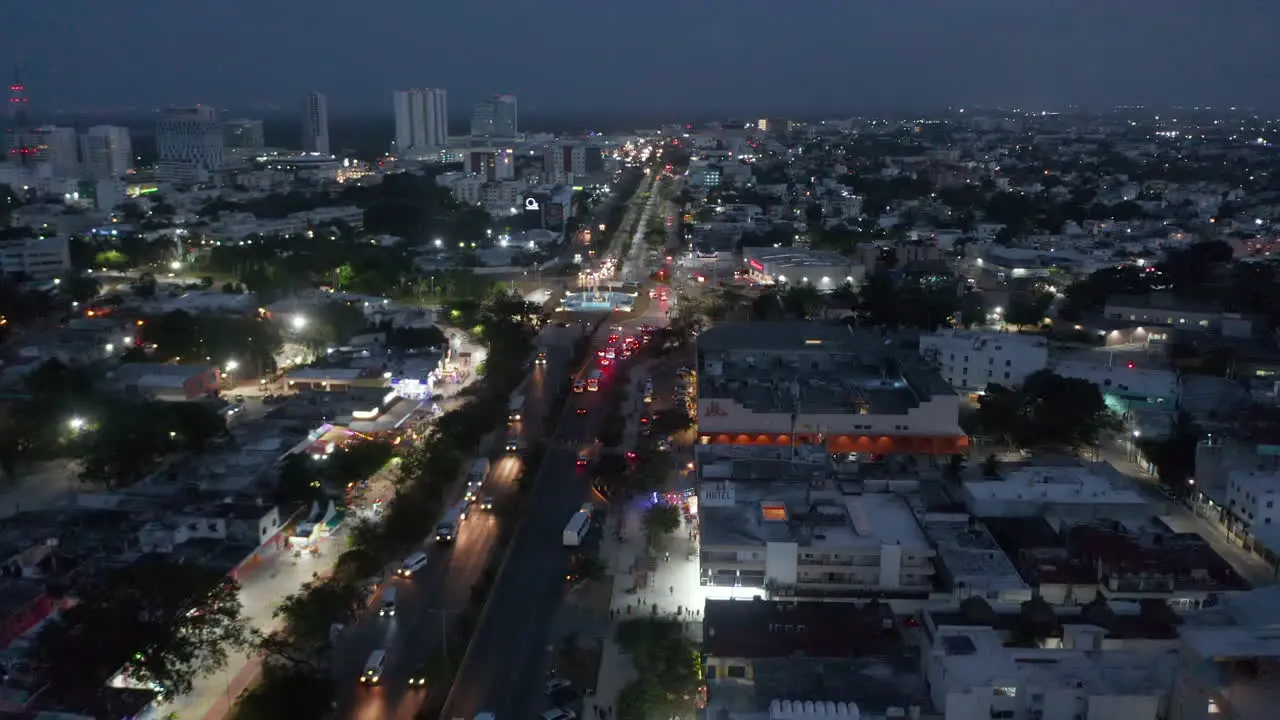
[[315, 123], [17, 146], [106, 151], [495, 117], [189, 145], [243, 135], [55, 150], [422, 121]]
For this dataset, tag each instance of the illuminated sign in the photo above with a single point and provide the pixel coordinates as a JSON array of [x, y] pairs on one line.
[[756, 265], [531, 204]]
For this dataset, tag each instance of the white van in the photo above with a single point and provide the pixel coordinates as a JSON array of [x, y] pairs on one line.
[[412, 564], [373, 667], [388, 608]]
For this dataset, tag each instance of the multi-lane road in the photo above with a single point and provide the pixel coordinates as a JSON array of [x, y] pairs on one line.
[[505, 667], [427, 605]]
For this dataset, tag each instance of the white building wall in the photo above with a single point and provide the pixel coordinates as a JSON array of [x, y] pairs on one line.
[[315, 123], [970, 361], [189, 144], [106, 152], [780, 562], [38, 259], [890, 566], [422, 121], [1253, 496]]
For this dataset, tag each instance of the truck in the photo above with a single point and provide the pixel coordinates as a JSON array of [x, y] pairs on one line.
[[515, 410], [451, 524], [476, 473]]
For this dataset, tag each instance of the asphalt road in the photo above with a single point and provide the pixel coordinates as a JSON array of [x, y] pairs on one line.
[[505, 668], [425, 605]]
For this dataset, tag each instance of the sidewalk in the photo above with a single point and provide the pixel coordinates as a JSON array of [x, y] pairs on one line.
[[644, 586]]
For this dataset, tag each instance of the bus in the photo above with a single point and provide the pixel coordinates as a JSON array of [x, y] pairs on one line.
[[593, 380], [515, 409], [577, 529]]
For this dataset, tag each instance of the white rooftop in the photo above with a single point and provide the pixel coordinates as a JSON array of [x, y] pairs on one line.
[[971, 556], [1056, 485], [976, 657]]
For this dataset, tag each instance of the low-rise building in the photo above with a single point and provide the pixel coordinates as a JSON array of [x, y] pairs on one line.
[[791, 539], [970, 361], [35, 258], [833, 386], [1229, 660], [1080, 493], [823, 269], [163, 381]]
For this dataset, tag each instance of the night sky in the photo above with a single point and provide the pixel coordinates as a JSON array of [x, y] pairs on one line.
[[562, 56]]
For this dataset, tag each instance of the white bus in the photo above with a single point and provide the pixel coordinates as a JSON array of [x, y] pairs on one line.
[[515, 409], [593, 380], [577, 529]]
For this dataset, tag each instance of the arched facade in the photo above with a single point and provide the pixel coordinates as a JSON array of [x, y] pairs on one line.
[[879, 444]]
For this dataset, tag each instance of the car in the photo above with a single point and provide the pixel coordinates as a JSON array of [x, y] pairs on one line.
[[558, 714], [604, 362], [664, 445], [611, 354], [613, 339], [626, 354], [579, 386], [486, 503], [582, 411], [584, 459], [418, 676], [412, 564], [373, 668], [541, 359], [556, 686]]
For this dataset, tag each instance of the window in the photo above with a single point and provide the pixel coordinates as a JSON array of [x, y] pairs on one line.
[[736, 671], [1008, 363], [1004, 692]]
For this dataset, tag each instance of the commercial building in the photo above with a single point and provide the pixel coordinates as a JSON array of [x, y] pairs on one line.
[[495, 117], [831, 386], [35, 258], [315, 123], [795, 539], [422, 121], [189, 145], [1068, 492], [244, 135], [822, 269], [1124, 384], [106, 152], [970, 361], [571, 162]]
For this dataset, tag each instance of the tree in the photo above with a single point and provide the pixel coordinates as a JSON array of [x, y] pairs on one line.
[[164, 622], [1026, 310], [1174, 456], [1047, 410], [298, 481], [668, 669], [145, 286], [358, 461], [1036, 622], [660, 520], [304, 693], [308, 617]]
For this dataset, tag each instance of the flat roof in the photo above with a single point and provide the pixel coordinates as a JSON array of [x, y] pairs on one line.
[[976, 657], [796, 257], [310, 374], [821, 368], [1059, 485], [971, 556], [765, 629], [783, 512]]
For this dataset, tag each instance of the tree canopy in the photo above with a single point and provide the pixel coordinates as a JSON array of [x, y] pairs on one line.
[[164, 622], [1047, 409]]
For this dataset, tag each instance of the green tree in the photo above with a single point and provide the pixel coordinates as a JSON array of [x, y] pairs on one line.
[[667, 666], [1028, 310], [166, 622], [305, 693], [659, 521], [298, 481], [358, 461], [307, 618], [1174, 455]]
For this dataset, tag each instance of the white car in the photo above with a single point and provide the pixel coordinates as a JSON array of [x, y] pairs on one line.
[[559, 714], [412, 564], [579, 386]]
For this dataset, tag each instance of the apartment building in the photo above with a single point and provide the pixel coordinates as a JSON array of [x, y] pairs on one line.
[[35, 258], [843, 389]]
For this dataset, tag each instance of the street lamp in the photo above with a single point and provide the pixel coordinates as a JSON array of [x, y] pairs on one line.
[[76, 424], [232, 365], [298, 322]]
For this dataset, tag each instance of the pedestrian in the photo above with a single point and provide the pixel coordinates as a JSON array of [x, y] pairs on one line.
[[667, 556], [673, 590]]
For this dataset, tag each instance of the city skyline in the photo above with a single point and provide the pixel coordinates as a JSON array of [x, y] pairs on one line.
[[989, 52]]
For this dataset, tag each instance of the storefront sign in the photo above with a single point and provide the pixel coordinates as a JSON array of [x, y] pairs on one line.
[[756, 265]]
